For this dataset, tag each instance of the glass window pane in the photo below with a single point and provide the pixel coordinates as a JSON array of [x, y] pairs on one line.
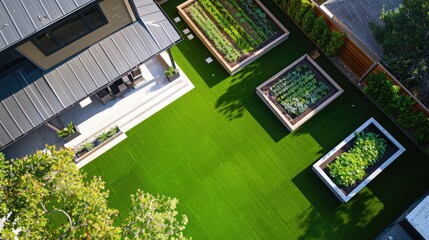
[[46, 43], [94, 17], [70, 30]]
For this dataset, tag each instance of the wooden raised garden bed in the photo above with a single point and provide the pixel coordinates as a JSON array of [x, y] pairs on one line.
[[349, 157], [236, 32], [298, 92]]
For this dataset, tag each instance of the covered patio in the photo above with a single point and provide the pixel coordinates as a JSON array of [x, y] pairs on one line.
[[91, 116]]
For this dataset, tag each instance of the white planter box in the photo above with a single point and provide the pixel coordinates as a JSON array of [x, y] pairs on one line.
[[333, 186]]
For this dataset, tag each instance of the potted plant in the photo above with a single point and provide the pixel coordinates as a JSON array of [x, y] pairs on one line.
[[69, 132], [171, 73]]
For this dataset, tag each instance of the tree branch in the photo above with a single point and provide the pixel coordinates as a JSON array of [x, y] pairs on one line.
[[58, 210]]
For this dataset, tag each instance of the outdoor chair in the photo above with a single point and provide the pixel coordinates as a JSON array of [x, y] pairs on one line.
[[118, 87], [104, 95]]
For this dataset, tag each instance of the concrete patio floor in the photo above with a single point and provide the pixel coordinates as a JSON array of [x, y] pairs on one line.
[[127, 111]]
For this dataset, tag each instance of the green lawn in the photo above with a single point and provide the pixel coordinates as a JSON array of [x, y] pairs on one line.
[[239, 174]]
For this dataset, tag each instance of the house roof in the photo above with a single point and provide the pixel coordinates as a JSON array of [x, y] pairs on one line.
[[356, 15], [29, 96], [419, 218], [20, 19]]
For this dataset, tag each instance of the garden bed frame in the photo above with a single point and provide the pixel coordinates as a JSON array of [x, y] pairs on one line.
[[240, 65], [100, 148], [343, 197], [291, 126]]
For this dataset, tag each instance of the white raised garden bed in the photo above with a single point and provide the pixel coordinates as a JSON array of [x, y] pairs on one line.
[[396, 149]]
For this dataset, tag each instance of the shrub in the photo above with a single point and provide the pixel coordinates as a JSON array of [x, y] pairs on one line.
[[335, 43], [294, 6], [422, 132], [324, 38], [318, 28], [397, 105], [308, 21], [387, 95], [299, 15], [381, 90]]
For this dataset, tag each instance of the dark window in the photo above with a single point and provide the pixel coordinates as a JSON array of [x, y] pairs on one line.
[[72, 29]]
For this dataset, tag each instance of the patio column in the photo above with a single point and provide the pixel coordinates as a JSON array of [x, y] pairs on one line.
[[171, 58]]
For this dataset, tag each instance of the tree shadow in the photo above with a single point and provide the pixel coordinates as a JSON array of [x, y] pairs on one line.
[[241, 96], [363, 217]]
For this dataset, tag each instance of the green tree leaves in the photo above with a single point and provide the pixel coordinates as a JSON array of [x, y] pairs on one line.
[[404, 36], [44, 195]]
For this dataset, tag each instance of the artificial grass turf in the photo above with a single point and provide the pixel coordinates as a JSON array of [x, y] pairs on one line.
[[237, 171]]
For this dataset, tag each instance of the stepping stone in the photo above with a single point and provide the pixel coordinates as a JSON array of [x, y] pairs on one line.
[[177, 19], [190, 36], [209, 60], [186, 31]]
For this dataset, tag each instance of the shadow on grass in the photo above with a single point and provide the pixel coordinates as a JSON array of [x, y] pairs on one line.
[[241, 96], [363, 217]]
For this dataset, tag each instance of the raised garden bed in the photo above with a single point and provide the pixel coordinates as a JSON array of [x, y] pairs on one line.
[[390, 150], [298, 92], [96, 143], [237, 32]]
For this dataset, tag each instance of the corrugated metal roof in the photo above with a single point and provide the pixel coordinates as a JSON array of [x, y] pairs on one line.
[[30, 97], [357, 14], [21, 18], [156, 22]]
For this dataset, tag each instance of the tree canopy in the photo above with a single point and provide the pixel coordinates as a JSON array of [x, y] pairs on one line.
[[404, 36], [44, 195]]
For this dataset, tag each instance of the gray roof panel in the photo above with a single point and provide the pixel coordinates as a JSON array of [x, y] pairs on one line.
[[23, 24], [38, 101], [4, 136], [8, 32], [72, 82], [46, 91], [80, 71], [93, 69], [16, 114], [61, 90], [103, 62], [126, 49], [115, 56], [52, 9], [9, 123], [21, 18], [138, 47], [146, 39], [33, 116], [34, 9], [67, 5]]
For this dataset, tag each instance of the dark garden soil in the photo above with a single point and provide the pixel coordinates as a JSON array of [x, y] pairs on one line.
[[233, 11], [319, 76]]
